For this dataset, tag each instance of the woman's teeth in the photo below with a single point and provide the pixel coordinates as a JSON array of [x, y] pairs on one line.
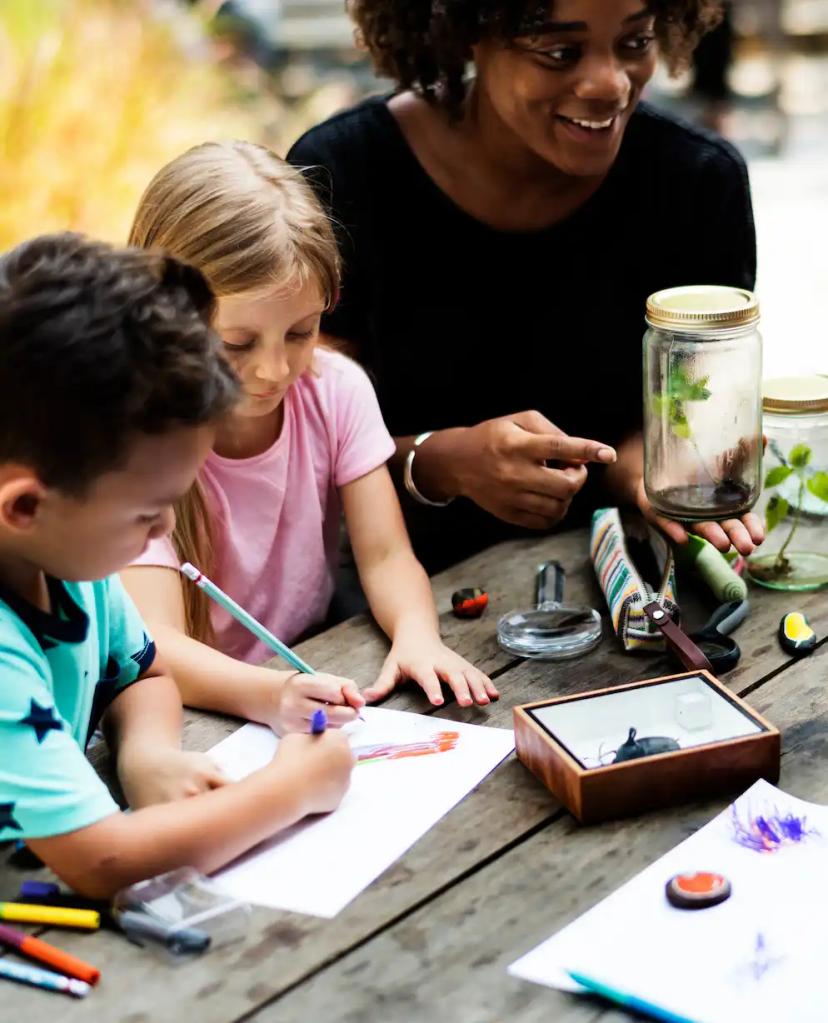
[[591, 125]]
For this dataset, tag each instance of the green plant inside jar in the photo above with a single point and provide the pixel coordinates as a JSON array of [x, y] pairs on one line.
[[798, 464], [726, 491]]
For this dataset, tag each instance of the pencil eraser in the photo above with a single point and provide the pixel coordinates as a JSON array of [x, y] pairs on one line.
[[694, 711]]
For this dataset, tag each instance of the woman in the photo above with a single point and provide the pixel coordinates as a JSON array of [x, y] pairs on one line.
[[501, 233]]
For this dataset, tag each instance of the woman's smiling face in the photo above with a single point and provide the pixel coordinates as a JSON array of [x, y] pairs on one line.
[[567, 91]]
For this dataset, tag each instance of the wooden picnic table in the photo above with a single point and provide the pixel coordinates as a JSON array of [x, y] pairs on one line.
[[430, 940]]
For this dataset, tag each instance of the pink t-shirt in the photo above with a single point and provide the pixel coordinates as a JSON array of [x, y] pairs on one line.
[[275, 517]]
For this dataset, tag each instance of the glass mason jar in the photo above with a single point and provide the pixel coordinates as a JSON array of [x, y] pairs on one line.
[[794, 501], [702, 403]]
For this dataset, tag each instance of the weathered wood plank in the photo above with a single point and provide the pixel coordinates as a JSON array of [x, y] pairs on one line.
[[282, 948], [448, 960]]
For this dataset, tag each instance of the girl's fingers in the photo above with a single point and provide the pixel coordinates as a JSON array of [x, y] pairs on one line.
[[384, 684], [476, 682], [459, 685], [338, 715], [431, 685], [353, 697], [325, 688]]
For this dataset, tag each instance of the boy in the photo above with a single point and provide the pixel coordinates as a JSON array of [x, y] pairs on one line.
[[111, 382]]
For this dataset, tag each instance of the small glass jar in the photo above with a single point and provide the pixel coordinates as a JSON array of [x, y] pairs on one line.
[[702, 403], [794, 501]]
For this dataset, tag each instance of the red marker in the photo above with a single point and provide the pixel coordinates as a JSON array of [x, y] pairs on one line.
[[48, 954]]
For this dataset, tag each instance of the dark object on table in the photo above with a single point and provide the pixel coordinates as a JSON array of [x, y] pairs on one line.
[[470, 602], [714, 639], [633, 748], [796, 635], [698, 890], [139, 927]]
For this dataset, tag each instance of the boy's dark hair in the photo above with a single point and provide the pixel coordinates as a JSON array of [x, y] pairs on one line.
[[426, 45], [98, 344]]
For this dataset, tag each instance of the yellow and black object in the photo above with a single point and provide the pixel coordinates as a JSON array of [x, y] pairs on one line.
[[796, 635]]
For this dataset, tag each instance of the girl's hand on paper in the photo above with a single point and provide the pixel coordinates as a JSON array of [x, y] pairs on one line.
[[167, 775], [429, 662], [322, 765], [298, 696]]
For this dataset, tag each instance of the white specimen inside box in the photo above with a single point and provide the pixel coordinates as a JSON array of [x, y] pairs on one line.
[[687, 710]]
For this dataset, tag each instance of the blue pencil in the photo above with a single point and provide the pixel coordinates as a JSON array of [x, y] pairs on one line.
[[627, 1001], [319, 721], [246, 619]]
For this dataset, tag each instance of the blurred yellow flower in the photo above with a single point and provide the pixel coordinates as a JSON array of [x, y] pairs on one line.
[[95, 95]]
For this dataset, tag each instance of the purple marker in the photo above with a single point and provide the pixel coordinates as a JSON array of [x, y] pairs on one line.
[[319, 722]]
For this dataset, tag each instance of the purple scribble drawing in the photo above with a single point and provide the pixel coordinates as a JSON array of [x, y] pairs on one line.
[[771, 831], [762, 962]]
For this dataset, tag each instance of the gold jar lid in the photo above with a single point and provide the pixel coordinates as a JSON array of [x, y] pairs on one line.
[[698, 308], [795, 395]]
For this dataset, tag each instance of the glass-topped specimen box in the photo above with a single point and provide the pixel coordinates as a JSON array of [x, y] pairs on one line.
[[621, 751]]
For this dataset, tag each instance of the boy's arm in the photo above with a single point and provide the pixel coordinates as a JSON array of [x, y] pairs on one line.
[[143, 727], [309, 774], [401, 599], [208, 678]]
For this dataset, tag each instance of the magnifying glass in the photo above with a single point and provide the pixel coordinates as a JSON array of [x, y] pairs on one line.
[[551, 630]]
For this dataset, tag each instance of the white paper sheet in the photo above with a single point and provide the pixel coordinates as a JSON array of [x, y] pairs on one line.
[[759, 956], [321, 864]]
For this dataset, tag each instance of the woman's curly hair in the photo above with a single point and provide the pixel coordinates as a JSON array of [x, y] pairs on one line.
[[425, 45]]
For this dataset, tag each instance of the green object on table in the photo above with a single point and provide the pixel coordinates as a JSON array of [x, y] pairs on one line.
[[713, 567]]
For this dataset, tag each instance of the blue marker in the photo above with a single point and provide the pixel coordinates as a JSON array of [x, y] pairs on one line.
[[319, 722], [612, 994]]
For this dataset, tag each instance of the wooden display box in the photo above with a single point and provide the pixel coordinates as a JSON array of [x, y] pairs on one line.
[[570, 744]]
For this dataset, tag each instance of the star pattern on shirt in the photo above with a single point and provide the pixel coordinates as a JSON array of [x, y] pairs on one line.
[[42, 720], [7, 818]]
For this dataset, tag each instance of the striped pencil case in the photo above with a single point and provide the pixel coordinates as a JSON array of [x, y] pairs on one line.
[[625, 591]]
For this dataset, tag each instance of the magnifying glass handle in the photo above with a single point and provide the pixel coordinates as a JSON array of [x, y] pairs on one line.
[[542, 583]]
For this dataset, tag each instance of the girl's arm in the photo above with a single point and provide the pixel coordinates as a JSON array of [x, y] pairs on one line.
[[309, 774], [400, 597], [625, 480], [284, 700]]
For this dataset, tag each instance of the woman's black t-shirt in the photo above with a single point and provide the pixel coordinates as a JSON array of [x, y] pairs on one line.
[[458, 322]]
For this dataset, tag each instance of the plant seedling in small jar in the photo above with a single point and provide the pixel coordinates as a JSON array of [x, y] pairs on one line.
[[779, 508]]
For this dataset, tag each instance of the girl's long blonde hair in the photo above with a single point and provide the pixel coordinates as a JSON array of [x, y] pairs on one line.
[[248, 221]]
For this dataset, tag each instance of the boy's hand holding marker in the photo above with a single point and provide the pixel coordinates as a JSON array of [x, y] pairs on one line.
[[321, 763]]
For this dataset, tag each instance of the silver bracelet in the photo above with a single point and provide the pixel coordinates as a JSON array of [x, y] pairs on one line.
[[408, 478]]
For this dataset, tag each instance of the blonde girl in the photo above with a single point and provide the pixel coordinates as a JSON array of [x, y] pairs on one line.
[[306, 442]]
